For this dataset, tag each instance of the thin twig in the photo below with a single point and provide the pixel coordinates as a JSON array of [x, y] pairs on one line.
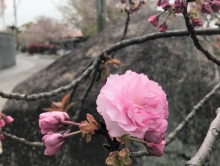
[[125, 29], [126, 25], [196, 40], [117, 46], [204, 153], [89, 87], [176, 131], [72, 93], [22, 140], [139, 153]]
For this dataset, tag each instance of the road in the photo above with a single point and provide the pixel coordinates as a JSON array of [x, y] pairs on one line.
[[25, 67]]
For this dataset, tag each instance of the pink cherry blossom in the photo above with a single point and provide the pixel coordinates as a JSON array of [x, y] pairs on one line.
[[50, 121], [154, 20], [156, 149], [157, 134], [53, 143], [131, 104]]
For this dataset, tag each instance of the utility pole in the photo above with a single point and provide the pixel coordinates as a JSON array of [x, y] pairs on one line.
[[2, 9], [101, 15], [15, 24]]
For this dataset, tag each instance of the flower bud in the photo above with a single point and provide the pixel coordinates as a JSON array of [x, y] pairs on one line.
[[196, 22], [53, 143], [206, 8], [154, 20], [156, 149], [215, 6], [157, 134], [163, 27], [2, 123], [50, 121], [9, 119]]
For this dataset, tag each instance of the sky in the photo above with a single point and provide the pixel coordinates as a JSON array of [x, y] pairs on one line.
[[28, 10]]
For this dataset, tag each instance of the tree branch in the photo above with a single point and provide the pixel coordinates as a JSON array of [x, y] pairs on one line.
[[125, 29], [196, 40], [176, 131], [126, 25], [204, 153], [117, 46], [22, 140]]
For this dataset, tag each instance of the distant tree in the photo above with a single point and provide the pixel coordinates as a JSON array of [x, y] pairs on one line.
[[81, 14], [44, 30]]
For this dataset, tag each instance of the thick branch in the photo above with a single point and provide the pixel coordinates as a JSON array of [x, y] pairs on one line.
[[55, 92], [176, 131], [196, 40], [204, 153], [22, 140], [115, 47]]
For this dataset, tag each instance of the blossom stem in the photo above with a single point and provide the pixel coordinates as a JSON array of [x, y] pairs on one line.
[[161, 13], [138, 140], [72, 134], [167, 17], [70, 123]]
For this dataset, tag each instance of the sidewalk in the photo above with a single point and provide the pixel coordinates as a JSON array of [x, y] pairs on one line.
[[25, 67]]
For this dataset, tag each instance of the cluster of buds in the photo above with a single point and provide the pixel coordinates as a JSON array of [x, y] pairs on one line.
[[55, 125], [210, 6], [207, 7], [121, 157], [170, 9], [131, 6], [3, 121], [179, 6]]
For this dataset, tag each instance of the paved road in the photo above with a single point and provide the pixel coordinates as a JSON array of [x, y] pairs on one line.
[[25, 67]]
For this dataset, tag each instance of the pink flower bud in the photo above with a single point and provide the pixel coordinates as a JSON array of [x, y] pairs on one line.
[[196, 22], [50, 121], [154, 20], [215, 6], [1, 137], [53, 143], [156, 149], [9, 119], [206, 8], [2, 123], [163, 27], [165, 5], [157, 134]]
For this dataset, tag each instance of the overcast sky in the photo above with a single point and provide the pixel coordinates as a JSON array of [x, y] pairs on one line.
[[28, 10]]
